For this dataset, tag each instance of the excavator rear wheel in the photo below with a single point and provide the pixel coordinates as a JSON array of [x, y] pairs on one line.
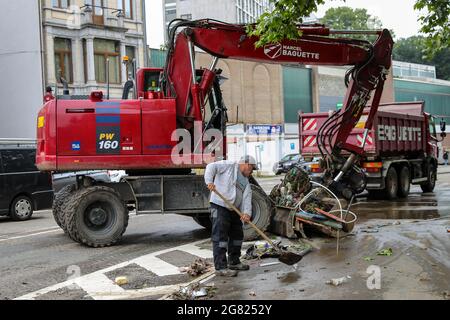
[[95, 216], [60, 197]]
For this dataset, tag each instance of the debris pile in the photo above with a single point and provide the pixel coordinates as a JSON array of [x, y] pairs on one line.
[[309, 206], [263, 249], [195, 291], [198, 267]]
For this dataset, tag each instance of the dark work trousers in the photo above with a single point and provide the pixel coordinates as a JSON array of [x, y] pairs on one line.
[[226, 234]]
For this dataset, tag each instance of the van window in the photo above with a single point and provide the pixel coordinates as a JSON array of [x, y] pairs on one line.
[[18, 160]]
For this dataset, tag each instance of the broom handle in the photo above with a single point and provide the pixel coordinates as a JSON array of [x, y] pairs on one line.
[[249, 222]]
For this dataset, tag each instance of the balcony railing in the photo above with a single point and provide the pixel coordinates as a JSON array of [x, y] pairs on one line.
[[103, 16]]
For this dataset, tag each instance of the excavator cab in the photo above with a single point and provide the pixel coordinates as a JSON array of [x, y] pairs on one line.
[[148, 83]]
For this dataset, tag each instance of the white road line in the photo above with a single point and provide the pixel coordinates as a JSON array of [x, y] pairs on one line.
[[99, 286], [30, 235], [196, 251], [140, 293], [156, 265], [95, 282]]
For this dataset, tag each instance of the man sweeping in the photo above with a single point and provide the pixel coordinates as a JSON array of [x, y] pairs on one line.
[[231, 180]]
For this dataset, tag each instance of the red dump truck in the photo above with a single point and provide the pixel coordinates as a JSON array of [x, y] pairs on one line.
[[400, 150]]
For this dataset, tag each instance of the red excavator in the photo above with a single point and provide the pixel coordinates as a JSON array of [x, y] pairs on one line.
[[172, 120]]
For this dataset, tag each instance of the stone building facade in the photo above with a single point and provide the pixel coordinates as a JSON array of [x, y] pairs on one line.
[[84, 38]]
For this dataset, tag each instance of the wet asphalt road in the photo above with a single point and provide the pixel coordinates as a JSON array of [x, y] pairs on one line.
[[36, 254]]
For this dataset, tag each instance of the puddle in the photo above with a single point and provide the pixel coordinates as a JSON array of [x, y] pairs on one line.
[[387, 213], [413, 207]]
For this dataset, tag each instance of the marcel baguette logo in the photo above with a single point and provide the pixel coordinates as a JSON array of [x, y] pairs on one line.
[[273, 51]]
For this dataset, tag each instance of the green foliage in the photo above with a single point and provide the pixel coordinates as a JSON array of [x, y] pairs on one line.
[[272, 27], [346, 18], [435, 24], [385, 252], [281, 22], [410, 50]]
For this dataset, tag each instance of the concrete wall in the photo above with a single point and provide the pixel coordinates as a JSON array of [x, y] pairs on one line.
[[21, 86]]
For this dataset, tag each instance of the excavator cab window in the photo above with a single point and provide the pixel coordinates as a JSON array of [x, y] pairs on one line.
[[151, 81], [214, 114]]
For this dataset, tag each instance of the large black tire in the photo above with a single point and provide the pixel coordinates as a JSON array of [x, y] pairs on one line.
[[262, 210], [431, 181], [95, 216], [58, 201], [403, 182], [204, 220], [21, 208], [391, 184]]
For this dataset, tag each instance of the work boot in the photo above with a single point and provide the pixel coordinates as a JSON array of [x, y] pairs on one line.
[[240, 266], [226, 273]]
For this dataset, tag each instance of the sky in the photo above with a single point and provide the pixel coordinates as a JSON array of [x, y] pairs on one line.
[[398, 15]]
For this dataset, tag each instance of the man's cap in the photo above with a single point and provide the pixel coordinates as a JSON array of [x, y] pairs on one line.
[[250, 160], [48, 89]]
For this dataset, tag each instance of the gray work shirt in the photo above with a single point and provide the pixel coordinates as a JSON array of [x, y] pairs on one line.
[[231, 184]]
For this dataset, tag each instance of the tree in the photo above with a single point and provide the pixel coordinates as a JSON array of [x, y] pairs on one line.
[[345, 18], [410, 50], [435, 24], [280, 24]]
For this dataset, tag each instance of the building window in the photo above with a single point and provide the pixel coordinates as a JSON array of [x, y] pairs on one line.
[[63, 59], [105, 50], [127, 8], [171, 14], [63, 4], [130, 52], [186, 16]]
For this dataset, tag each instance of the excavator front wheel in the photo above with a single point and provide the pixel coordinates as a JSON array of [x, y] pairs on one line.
[[95, 216]]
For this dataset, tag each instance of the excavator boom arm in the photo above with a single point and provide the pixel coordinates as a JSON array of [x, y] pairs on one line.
[[370, 64]]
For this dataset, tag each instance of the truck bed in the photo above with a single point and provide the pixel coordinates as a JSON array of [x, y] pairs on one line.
[[398, 129]]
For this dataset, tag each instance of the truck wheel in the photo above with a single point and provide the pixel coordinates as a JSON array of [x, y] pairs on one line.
[[403, 182], [431, 182], [60, 197], [261, 213], [391, 186], [95, 216], [203, 220], [21, 208]]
